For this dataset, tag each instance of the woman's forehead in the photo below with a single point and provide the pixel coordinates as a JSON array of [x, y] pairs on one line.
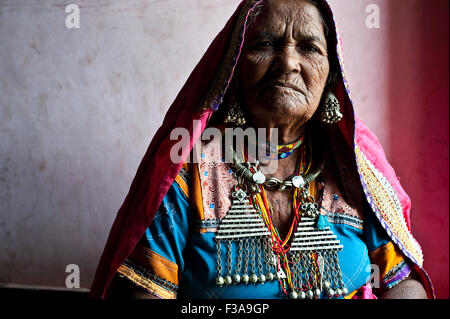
[[276, 15]]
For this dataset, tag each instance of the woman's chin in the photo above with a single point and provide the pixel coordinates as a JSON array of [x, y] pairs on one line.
[[284, 107]]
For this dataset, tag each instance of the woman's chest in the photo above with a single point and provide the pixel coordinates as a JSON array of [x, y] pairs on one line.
[[281, 210]]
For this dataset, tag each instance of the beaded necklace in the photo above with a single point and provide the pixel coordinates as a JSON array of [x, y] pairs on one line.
[[281, 151], [306, 259], [279, 246]]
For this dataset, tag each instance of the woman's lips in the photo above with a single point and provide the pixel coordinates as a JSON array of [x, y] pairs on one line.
[[285, 86]]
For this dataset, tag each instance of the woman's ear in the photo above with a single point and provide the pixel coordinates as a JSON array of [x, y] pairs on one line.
[[331, 80]]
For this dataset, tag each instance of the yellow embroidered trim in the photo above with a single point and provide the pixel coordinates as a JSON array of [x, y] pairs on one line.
[[182, 182], [160, 266], [380, 194], [146, 283]]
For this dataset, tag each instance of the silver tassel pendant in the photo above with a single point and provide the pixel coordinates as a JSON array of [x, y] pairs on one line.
[[243, 232], [316, 268]]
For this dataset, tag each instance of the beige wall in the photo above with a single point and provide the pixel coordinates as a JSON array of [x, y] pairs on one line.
[[78, 108]]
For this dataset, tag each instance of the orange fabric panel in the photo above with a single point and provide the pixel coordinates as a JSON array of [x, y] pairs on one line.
[[160, 266]]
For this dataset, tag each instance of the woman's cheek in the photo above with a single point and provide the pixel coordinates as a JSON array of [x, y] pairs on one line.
[[321, 68], [316, 75], [255, 66]]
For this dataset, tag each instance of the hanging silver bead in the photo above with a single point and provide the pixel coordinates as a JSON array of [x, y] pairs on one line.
[[326, 285], [338, 292], [269, 276], [309, 294], [236, 278], [220, 281], [228, 280], [293, 295], [331, 293], [344, 291], [245, 278], [302, 295], [317, 292], [254, 279], [262, 279]]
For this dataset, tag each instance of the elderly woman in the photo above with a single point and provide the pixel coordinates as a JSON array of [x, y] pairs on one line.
[[320, 215]]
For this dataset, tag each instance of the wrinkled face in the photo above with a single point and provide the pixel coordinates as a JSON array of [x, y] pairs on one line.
[[284, 65]]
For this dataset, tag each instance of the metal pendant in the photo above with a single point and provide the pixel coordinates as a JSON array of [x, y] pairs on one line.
[[298, 182], [244, 231], [309, 238], [240, 195], [316, 267], [241, 221], [311, 209]]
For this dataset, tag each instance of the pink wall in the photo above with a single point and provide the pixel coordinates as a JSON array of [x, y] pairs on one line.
[[366, 62], [399, 81], [419, 123]]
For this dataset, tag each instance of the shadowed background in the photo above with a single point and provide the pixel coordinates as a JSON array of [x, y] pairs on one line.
[[78, 108]]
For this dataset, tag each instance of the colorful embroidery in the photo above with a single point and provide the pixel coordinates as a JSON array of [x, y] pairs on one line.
[[161, 267], [384, 202], [217, 185], [393, 268], [208, 225], [144, 282], [397, 274], [340, 218], [183, 180]]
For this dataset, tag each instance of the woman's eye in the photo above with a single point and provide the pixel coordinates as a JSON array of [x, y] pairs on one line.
[[264, 44], [310, 49]]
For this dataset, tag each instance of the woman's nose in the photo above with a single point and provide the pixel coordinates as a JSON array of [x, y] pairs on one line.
[[287, 61]]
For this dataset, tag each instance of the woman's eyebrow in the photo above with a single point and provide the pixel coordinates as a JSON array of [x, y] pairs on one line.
[[265, 35], [268, 35], [312, 38]]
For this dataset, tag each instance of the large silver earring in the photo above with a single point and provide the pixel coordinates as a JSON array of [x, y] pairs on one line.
[[235, 115], [331, 112]]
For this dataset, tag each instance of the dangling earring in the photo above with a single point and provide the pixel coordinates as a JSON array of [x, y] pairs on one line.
[[235, 114], [331, 113]]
